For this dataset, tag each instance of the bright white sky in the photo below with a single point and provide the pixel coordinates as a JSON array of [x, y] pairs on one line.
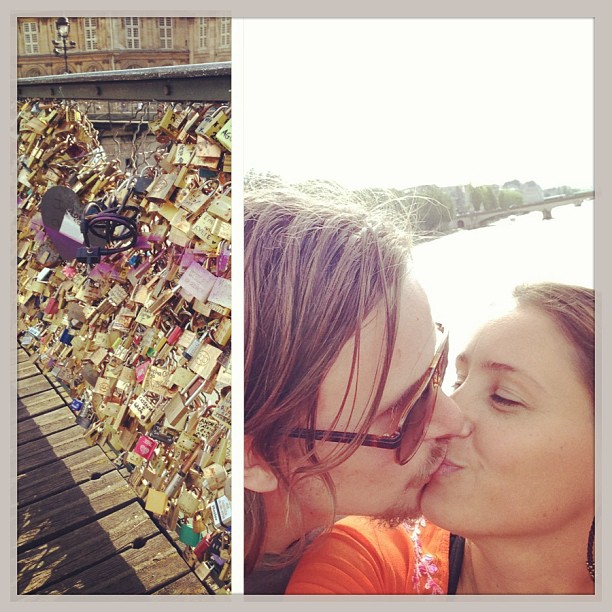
[[405, 102]]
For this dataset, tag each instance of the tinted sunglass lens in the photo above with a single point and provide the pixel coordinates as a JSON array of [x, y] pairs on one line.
[[416, 423]]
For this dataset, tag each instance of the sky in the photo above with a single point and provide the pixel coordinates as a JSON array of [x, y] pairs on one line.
[[398, 103]]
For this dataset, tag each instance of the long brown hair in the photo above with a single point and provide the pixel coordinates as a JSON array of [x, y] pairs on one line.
[[572, 308], [316, 264]]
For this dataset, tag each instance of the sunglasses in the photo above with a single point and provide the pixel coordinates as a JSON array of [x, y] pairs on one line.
[[415, 417]]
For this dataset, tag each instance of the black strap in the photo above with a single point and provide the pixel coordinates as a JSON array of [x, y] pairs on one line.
[[455, 561]]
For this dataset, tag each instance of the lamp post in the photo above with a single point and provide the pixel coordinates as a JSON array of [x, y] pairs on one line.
[[62, 25]]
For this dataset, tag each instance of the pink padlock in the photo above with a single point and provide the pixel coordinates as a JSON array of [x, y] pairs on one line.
[[202, 546], [52, 306], [141, 370], [174, 335], [145, 447]]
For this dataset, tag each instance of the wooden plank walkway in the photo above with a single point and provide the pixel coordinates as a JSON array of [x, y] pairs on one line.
[[81, 529]]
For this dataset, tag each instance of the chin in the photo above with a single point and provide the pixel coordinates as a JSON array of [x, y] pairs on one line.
[[407, 509], [431, 499]]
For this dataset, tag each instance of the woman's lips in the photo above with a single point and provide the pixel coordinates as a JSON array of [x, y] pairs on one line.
[[447, 467]]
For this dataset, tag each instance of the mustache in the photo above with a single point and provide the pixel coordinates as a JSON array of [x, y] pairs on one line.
[[436, 454], [398, 514]]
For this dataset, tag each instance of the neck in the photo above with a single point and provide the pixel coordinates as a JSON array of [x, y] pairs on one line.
[[550, 563], [287, 525]]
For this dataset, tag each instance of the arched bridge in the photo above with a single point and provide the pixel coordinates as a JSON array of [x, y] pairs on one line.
[[472, 220]]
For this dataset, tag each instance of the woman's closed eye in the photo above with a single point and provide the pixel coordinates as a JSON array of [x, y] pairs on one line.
[[504, 399]]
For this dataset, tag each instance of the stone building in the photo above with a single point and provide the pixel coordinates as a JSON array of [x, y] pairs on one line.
[[118, 43]]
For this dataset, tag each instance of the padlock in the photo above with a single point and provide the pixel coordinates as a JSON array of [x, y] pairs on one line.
[[224, 574], [66, 337], [221, 510], [145, 447], [157, 434], [188, 502], [188, 536], [224, 251], [227, 489], [175, 410], [93, 434], [193, 348], [207, 153], [170, 519], [214, 476], [76, 406], [199, 525], [224, 551], [84, 418], [174, 335], [52, 306], [203, 545], [220, 205], [143, 407], [186, 443], [179, 477], [156, 501], [213, 122], [204, 362], [140, 371], [224, 135]]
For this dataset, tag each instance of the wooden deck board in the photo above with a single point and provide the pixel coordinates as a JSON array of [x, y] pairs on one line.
[[133, 572], [83, 548], [187, 585], [38, 404], [33, 385], [52, 448], [22, 356], [44, 425], [70, 509], [26, 369], [73, 471]]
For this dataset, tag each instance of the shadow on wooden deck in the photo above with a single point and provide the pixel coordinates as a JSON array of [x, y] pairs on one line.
[[81, 529]]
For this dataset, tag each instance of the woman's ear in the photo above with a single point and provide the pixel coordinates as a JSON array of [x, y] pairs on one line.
[[258, 476]]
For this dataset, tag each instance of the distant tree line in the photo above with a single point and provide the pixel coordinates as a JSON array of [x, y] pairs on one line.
[[485, 197], [432, 208]]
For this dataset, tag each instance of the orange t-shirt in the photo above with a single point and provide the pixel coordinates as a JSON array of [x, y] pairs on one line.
[[360, 557]]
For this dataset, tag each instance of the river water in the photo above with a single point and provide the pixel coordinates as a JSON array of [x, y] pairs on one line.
[[468, 271]]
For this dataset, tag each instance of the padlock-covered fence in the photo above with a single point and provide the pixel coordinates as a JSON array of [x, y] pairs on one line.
[[124, 295]]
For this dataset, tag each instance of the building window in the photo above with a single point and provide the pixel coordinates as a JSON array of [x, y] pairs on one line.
[[91, 29], [165, 32], [33, 72], [203, 33], [30, 37], [132, 32], [226, 32]]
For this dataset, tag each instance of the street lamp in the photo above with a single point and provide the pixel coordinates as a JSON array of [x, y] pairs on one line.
[[62, 25]]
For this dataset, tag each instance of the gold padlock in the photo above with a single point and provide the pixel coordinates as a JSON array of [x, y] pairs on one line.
[[198, 523], [156, 501], [213, 122], [224, 135]]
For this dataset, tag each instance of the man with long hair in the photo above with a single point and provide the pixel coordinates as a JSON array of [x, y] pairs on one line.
[[343, 363]]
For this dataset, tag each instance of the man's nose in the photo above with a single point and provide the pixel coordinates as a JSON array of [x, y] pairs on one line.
[[447, 420]]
